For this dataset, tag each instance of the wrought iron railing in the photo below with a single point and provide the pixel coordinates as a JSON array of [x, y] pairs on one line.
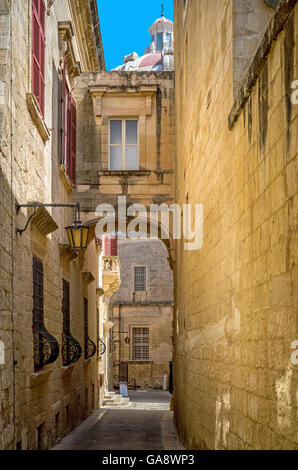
[[101, 347], [71, 350], [46, 348], [90, 348]]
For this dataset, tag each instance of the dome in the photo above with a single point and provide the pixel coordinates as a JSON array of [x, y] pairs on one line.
[[163, 19], [159, 55]]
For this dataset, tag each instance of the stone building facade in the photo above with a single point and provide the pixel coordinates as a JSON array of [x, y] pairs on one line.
[[236, 299], [52, 298], [142, 310]]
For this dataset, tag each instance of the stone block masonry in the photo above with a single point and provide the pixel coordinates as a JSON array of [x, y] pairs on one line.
[[236, 299]]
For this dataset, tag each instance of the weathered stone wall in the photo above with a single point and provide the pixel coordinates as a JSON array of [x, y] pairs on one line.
[[124, 94], [29, 171], [250, 21], [236, 298], [152, 309]]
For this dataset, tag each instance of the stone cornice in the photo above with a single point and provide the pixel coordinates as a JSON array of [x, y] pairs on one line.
[[87, 31], [65, 31], [37, 117], [44, 222], [275, 27]]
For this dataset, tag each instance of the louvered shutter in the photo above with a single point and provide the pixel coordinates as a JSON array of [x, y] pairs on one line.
[[110, 245], [38, 52], [73, 139]]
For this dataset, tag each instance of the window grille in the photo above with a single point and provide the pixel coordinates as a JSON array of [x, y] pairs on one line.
[[71, 349], [46, 348], [140, 279], [90, 347], [140, 346]]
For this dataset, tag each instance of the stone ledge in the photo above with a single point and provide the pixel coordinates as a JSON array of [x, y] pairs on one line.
[[65, 178], [36, 117], [67, 253], [67, 370], [276, 25], [44, 222], [40, 376]]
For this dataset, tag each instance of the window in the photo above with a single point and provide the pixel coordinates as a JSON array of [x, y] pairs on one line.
[[71, 349], [46, 348], [169, 39], [159, 41], [140, 344], [140, 278], [69, 120], [90, 347], [124, 145], [38, 52]]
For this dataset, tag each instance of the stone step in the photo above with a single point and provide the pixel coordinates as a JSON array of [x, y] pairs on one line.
[[117, 400]]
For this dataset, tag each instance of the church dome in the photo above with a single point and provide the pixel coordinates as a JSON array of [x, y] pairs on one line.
[[159, 55]]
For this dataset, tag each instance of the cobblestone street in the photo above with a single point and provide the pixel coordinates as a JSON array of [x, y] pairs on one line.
[[146, 424]]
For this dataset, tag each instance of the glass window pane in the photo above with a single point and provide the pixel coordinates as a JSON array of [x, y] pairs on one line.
[[168, 39], [159, 41], [115, 158], [131, 132], [131, 158], [116, 132]]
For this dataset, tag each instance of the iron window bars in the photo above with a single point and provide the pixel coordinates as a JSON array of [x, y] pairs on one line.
[[46, 347], [90, 346], [71, 348]]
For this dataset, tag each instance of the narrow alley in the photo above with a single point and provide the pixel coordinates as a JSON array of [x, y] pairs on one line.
[[146, 423]]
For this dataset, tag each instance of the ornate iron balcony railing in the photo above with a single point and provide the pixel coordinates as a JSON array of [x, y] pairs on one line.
[[46, 347], [90, 348], [71, 349], [101, 347]]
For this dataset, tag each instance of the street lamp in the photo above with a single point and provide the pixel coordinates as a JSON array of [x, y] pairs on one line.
[[77, 233]]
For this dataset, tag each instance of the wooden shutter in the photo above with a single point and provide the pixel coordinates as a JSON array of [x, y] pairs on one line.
[[110, 245], [72, 139], [38, 52], [64, 97]]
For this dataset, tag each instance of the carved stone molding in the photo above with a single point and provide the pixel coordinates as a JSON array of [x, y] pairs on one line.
[[49, 6], [111, 275], [67, 253], [44, 222], [146, 91], [36, 117], [66, 34], [88, 278]]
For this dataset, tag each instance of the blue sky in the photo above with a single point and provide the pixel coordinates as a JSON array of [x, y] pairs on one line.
[[124, 26]]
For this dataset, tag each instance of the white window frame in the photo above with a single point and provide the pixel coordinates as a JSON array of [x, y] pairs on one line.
[[134, 277], [123, 120]]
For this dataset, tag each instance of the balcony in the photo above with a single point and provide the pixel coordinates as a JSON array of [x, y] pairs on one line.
[[110, 275]]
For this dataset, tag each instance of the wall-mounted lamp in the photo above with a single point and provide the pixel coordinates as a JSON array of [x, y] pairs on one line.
[[77, 233]]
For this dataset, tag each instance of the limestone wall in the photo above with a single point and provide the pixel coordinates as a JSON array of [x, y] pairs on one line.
[[152, 309], [236, 298], [57, 398]]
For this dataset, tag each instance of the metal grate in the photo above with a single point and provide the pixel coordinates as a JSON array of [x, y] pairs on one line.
[[90, 346], [45, 346], [71, 348], [140, 345], [140, 279]]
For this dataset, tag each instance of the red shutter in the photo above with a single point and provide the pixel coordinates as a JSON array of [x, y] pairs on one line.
[[72, 139], [110, 245], [38, 52], [64, 131]]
